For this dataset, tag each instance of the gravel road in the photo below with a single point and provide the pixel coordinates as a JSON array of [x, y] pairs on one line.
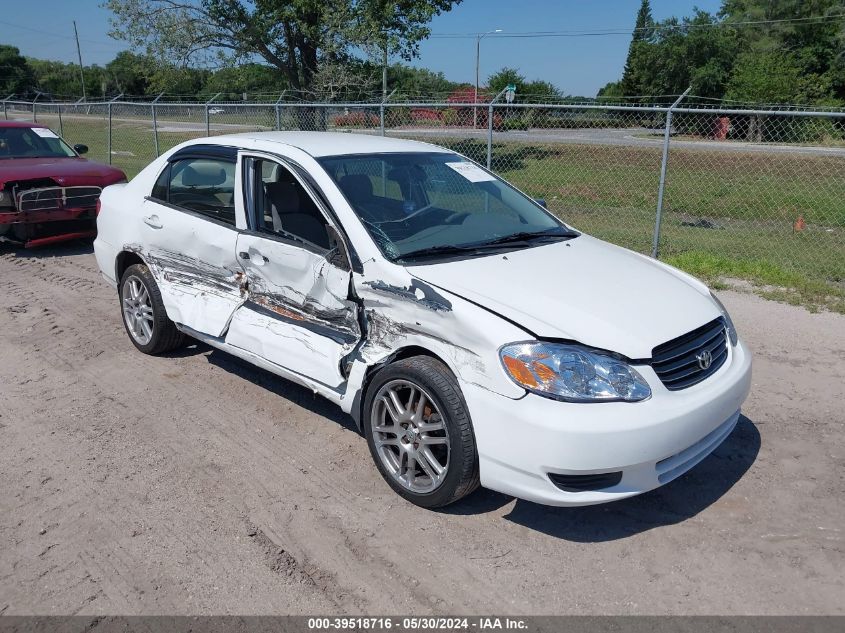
[[196, 484]]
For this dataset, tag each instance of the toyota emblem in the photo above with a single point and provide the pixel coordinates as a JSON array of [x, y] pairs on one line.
[[704, 359]]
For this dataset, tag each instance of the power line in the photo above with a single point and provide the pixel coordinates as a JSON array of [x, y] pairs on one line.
[[57, 35], [626, 31]]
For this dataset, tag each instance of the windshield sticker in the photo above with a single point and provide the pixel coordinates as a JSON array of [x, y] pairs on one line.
[[45, 132], [471, 172]]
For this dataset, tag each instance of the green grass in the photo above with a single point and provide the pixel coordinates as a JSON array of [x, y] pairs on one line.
[[611, 192], [771, 281], [751, 199]]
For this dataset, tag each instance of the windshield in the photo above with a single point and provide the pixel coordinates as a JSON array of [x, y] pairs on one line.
[[416, 204], [26, 142]]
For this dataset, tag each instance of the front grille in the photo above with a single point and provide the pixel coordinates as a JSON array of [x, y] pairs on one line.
[[677, 363], [53, 198], [585, 483]]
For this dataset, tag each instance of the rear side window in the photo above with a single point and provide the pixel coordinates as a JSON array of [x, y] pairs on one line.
[[202, 185]]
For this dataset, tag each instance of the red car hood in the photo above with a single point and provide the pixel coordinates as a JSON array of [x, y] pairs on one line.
[[67, 172]]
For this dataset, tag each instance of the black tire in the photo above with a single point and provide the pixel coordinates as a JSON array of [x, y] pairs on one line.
[[165, 337], [440, 384]]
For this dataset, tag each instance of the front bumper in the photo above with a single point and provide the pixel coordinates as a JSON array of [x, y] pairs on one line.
[[521, 442], [38, 228]]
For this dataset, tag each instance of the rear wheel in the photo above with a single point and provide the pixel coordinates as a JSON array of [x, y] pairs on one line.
[[419, 432], [144, 316]]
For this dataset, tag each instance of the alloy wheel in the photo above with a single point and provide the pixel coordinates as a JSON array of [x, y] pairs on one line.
[[410, 436], [137, 309]]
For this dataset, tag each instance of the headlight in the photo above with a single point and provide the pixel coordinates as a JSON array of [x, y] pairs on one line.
[[729, 324], [7, 201], [572, 373]]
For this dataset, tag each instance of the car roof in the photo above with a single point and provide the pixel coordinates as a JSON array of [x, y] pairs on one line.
[[20, 124], [325, 143]]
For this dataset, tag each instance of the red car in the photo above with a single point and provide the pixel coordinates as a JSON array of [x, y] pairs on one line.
[[48, 192]]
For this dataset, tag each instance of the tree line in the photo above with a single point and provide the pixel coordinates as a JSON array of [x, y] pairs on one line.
[[753, 51], [132, 74]]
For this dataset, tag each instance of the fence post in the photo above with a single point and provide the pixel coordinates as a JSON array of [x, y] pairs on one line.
[[278, 110], [490, 128], [207, 118], [5, 112], [381, 110], [155, 123], [35, 107], [61, 126], [655, 246], [110, 126], [108, 147]]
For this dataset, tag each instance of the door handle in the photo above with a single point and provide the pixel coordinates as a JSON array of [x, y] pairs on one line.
[[153, 221], [259, 259]]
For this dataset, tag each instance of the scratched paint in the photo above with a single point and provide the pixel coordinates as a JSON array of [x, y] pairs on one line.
[[195, 293], [417, 291]]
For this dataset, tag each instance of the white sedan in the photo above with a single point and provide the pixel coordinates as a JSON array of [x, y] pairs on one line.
[[473, 337]]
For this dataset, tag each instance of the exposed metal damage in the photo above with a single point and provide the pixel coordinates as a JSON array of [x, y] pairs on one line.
[[305, 309], [193, 272], [417, 291], [338, 330]]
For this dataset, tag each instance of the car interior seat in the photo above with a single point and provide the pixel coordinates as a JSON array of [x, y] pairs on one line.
[[293, 211]]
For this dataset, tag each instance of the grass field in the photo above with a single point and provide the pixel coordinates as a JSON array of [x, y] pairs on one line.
[[726, 214]]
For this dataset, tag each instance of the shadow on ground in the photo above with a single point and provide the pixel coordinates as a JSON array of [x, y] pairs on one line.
[[281, 387], [63, 249], [673, 503]]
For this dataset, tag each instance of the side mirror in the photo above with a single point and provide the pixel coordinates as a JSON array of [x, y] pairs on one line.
[[337, 254], [541, 202], [79, 148]]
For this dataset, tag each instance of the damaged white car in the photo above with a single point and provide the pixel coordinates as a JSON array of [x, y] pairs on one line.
[[474, 338]]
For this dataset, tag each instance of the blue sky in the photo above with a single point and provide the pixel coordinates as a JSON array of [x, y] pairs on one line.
[[577, 65]]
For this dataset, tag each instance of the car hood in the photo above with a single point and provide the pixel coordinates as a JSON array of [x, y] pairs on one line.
[[582, 290], [68, 172]]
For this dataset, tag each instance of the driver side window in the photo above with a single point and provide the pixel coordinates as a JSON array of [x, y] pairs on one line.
[[203, 185], [284, 208]]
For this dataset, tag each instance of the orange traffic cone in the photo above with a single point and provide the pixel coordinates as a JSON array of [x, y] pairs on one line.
[[799, 224]]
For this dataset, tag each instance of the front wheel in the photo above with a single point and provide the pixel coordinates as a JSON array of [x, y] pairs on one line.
[[144, 316], [419, 432]]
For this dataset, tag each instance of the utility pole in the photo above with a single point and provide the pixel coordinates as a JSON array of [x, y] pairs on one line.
[[384, 74], [478, 38], [79, 54]]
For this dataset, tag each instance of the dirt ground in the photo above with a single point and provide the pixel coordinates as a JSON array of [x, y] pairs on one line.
[[196, 484]]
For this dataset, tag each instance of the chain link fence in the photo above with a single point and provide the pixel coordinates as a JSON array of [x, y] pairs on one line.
[[757, 195]]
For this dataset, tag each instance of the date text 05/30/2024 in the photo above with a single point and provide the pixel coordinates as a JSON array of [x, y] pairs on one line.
[[416, 623]]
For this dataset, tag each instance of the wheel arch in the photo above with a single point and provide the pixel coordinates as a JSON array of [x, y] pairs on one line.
[[124, 260], [406, 351]]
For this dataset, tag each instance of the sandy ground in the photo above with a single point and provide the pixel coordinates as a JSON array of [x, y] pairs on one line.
[[195, 484]]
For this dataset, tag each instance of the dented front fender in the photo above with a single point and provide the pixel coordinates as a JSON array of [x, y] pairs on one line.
[[401, 311]]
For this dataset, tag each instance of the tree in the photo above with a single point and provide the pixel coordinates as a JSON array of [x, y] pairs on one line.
[[643, 33], [60, 80], [612, 91], [129, 74], [413, 83], [536, 90], [245, 79], [297, 37], [816, 45], [16, 76], [715, 53], [765, 78], [499, 80], [694, 51]]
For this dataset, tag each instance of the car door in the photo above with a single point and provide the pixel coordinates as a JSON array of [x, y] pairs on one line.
[[297, 313], [189, 239]]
